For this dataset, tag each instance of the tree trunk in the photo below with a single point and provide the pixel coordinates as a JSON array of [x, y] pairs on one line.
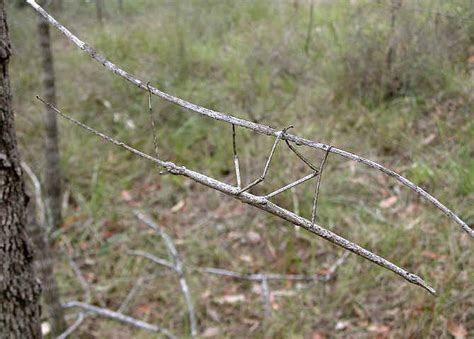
[[19, 290], [120, 6], [52, 177], [52, 183]]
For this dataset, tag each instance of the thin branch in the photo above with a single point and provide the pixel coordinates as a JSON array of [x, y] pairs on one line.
[[178, 266], [118, 316], [318, 184], [262, 276], [259, 128], [153, 258], [261, 203], [38, 193], [73, 327], [236, 159], [87, 295]]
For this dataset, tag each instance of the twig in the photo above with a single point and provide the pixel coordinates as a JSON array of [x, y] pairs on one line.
[[87, 295], [236, 159], [261, 203], [268, 276], [153, 258], [38, 194], [318, 184], [259, 128], [118, 316], [178, 267], [73, 327]]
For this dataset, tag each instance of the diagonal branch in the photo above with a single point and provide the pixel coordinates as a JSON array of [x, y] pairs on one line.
[[153, 258], [259, 128], [261, 203], [118, 316]]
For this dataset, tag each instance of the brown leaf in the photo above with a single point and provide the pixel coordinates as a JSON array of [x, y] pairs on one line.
[[389, 202], [457, 330]]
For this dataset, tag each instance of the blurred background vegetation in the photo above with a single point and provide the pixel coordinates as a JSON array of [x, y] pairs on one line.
[[392, 82]]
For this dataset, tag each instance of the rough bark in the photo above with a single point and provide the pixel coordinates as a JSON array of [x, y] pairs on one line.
[[19, 290], [52, 175]]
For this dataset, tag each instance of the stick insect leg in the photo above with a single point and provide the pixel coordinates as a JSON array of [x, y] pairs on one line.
[[318, 184], [267, 165], [301, 156], [152, 122], [236, 159], [153, 127]]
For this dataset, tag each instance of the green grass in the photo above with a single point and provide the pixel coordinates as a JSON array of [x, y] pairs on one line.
[[248, 59]]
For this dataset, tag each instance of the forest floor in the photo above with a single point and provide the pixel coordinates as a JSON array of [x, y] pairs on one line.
[[256, 60]]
